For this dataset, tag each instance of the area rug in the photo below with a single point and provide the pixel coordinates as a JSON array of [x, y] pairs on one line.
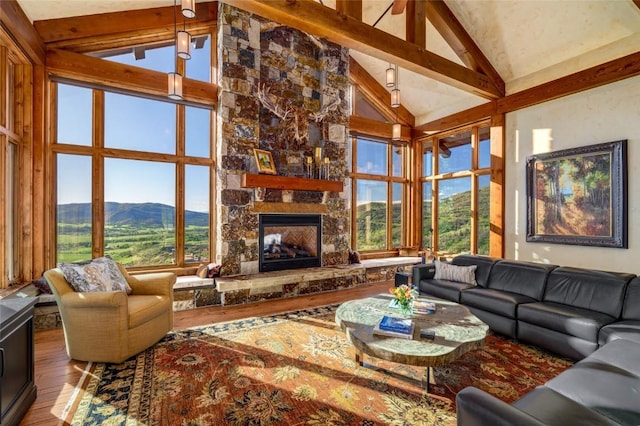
[[296, 368]]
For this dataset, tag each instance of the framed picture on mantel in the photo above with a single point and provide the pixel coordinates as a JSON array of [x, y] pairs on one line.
[[579, 196], [264, 159]]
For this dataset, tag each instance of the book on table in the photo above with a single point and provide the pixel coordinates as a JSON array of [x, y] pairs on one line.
[[424, 307], [395, 327]]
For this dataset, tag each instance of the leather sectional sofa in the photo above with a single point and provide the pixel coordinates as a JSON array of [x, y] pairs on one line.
[[587, 315]]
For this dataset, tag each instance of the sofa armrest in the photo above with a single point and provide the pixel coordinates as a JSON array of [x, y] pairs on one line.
[[156, 283], [475, 407], [423, 272]]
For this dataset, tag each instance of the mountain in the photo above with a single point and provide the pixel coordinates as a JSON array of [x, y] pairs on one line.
[[133, 214]]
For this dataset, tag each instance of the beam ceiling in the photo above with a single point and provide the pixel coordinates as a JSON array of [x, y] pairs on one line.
[[322, 21]]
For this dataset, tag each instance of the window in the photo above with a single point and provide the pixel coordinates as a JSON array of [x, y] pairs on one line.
[[135, 172], [455, 185], [379, 190]]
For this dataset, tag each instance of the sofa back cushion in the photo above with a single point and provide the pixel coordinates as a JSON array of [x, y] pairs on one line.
[[598, 291], [484, 265], [631, 308], [525, 278]]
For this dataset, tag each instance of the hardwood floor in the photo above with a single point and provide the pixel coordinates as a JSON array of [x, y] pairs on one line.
[[57, 376]]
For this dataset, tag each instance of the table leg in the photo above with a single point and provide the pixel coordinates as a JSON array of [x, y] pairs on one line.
[[429, 377], [359, 358]]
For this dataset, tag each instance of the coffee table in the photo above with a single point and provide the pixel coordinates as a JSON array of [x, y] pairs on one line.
[[457, 331]]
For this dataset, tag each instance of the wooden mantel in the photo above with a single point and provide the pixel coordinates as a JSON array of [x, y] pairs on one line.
[[290, 183]]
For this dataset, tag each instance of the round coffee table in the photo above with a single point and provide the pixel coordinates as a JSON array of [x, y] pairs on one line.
[[456, 329]]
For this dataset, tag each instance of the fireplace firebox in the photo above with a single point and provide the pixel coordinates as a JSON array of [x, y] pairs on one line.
[[289, 241]]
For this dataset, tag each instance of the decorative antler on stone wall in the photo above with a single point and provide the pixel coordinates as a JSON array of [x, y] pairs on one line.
[[295, 118]]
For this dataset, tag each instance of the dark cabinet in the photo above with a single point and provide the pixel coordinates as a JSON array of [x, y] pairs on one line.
[[17, 387]]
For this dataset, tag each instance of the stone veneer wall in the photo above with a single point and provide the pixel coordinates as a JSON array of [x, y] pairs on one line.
[[300, 71]]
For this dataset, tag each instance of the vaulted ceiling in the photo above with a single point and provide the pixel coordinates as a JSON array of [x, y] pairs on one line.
[[527, 42]]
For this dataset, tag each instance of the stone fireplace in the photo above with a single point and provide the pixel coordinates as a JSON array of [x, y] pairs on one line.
[[289, 241], [294, 72]]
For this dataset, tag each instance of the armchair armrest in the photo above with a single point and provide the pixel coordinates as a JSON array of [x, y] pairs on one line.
[[475, 407], [423, 272], [156, 283]]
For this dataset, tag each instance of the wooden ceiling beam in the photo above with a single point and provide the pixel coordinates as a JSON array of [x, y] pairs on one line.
[[378, 95], [446, 23], [57, 32], [599, 75], [416, 20], [75, 66], [351, 8], [368, 127], [13, 18], [322, 21]]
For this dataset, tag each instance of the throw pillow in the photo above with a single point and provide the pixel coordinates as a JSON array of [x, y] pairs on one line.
[[100, 274], [41, 284], [461, 274]]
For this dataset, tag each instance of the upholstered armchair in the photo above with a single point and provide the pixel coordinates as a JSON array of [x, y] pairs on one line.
[[111, 326]]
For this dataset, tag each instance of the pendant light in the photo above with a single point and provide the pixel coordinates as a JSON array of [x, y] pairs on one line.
[[174, 78], [188, 8], [390, 76], [395, 93]]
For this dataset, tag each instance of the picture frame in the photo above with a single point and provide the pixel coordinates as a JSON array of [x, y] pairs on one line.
[[578, 196], [264, 160]]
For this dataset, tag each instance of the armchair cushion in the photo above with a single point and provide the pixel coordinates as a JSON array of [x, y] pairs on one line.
[[100, 274]]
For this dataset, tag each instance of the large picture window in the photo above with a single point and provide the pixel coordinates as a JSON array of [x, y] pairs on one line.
[[379, 189], [455, 191], [138, 187]]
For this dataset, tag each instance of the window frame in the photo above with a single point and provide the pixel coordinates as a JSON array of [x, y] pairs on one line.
[[389, 179], [474, 173]]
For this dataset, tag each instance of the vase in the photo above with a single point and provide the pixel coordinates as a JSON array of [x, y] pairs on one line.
[[406, 307]]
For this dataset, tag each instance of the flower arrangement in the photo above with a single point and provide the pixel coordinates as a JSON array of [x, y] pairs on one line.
[[403, 296]]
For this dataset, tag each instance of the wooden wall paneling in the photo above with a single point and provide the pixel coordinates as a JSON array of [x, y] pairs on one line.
[[23, 122], [4, 140], [416, 22], [378, 95], [50, 172], [75, 66], [19, 26], [496, 186], [40, 201], [322, 21]]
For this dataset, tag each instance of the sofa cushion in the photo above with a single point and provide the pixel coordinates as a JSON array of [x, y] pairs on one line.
[[631, 308], [100, 274], [629, 330], [460, 274], [526, 278], [597, 291], [566, 319], [499, 302], [602, 383], [448, 290], [553, 408], [483, 263]]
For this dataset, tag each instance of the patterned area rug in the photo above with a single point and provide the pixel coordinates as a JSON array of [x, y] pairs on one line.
[[293, 369]]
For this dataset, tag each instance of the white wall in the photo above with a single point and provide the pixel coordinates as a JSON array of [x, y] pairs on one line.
[[604, 114]]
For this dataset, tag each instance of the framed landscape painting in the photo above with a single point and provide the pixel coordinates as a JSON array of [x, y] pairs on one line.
[[579, 196]]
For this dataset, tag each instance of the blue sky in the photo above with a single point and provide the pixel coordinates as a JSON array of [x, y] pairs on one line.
[[136, 124]]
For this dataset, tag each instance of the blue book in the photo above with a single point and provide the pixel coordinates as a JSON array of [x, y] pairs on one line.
[[399, 325]]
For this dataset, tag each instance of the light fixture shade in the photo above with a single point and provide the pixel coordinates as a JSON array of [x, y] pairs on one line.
[[183, 45], [396, 131], [188, 8], [395, 98], [391, 76], [175, 86]]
